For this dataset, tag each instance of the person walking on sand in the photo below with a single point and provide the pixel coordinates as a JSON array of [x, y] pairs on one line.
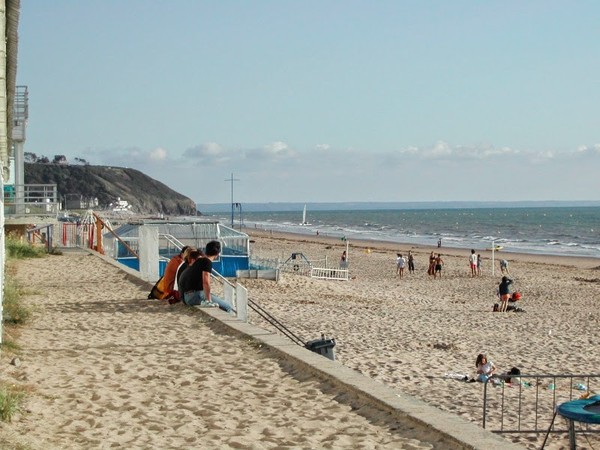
[[439, 262], [504, 267], [411, 262], [400, 262], [473, 263]]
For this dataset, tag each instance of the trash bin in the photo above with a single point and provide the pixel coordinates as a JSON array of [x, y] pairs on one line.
[[322, 346]]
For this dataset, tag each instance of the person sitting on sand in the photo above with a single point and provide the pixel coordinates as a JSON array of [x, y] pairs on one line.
[[485, 368], [195, 280]]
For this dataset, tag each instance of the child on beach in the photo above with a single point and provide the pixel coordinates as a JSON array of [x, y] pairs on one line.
[[400, 265], [473, 263], [485, 368]]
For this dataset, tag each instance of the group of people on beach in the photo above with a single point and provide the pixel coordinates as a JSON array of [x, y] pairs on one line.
[[187, 278], [435, 264], [475, 263], [401, 263]]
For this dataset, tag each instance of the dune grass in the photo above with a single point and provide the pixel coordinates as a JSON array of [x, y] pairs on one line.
[[10, 402], [18, 249], [15, 312]]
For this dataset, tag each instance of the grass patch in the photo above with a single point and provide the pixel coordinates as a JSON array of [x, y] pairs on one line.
[[9, 345], [10, 402], [14, 311], [17, 249]]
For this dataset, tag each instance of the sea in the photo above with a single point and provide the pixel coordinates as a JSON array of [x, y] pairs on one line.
[[568, 231]]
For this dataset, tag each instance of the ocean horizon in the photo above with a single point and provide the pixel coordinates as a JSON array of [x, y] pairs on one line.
[[211, 208], [553, 228]]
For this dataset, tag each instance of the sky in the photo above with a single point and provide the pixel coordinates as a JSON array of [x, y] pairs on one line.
[[322, 101]]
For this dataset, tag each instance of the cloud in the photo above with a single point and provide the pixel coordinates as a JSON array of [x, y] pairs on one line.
[[158, 154], [126, 157], [586, 150], [209, 153], [279, 172], [443, 151], [274, 151]]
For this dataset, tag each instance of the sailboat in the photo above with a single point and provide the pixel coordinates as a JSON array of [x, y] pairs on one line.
[[304, 222]]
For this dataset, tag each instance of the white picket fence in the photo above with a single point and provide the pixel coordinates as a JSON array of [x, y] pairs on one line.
[[329, 274]]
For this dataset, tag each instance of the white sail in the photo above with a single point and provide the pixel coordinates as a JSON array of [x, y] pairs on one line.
[[304, 215]]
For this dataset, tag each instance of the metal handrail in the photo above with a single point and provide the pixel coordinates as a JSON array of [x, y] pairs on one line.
[[173, 240], [536, 381], [276, 323]]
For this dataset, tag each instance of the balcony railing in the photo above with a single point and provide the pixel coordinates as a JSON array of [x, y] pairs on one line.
[[21, 200]]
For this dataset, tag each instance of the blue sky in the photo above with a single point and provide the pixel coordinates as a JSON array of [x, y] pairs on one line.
[[314, 101]]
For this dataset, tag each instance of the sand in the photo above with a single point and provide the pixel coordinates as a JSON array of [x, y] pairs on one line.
[[408, 333], [107, 368]]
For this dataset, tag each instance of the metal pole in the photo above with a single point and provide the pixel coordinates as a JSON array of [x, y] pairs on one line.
[[493, 249], [232, 204]]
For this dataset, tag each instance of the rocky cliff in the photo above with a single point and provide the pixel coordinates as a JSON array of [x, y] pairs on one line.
[[107, 184]]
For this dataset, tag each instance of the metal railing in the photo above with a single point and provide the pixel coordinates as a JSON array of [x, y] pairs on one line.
[[31, 200], [527, 404], [42, 235], [221, 287]]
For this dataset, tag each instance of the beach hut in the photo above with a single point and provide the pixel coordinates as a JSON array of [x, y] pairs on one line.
[[173, 236]]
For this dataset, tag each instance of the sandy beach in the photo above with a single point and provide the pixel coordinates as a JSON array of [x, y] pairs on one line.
[[107, 368], [408, 333]]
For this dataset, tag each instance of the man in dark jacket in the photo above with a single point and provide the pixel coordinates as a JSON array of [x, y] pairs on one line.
[[195, 280], [504, 292]]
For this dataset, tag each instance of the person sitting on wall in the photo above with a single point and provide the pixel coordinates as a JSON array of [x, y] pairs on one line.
[[168, 280], [195, 281], [164, 287], [183, 265]]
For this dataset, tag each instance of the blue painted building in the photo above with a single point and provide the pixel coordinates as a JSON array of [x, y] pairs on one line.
[[173, 236]]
